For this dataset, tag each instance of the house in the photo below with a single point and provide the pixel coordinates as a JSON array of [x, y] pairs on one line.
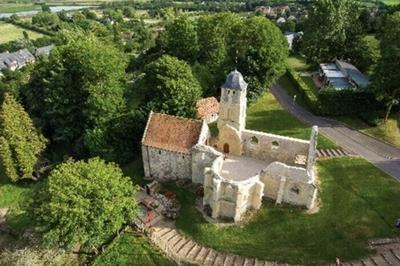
[[291, 36], [207, 109], [265, 10], [242, 168], [167, 145], [342, 75], [44, 51], [15, 60]]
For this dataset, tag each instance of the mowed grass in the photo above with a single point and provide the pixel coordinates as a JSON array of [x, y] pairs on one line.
[[10, 32], [388, 132], [267, 115], [132, 249], [298, 63], [391, 2], [17, 7], [16, 197], [358, 202]]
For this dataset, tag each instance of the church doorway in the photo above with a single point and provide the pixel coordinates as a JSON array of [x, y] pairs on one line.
[[226, 148]]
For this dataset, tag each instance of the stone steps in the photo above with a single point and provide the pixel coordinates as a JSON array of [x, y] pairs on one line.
[[333, 153], [183, 249]]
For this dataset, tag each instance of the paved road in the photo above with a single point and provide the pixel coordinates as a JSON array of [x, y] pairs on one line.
[[382, 155]]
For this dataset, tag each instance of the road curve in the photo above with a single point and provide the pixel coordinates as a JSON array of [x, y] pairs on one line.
[[384, 156]]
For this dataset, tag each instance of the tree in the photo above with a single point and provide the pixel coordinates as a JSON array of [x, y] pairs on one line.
[[386, 79], [85, 203], [180, 39], [45, 8], [170, 87], [46, 19], [259, 50], [21, 144], [366, 53], [213, 32], [332, 30], [79, 87]]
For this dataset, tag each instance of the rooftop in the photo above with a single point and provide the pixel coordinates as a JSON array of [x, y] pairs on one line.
[[235, 81], [207, 107], [172, 133]]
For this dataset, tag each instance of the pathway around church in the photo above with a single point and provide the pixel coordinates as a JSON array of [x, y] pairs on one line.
[[382, 155], [184, 250]]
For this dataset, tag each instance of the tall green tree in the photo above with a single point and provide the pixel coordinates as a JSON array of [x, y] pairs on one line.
[[386, 79], [332, 30], [259, 50], [180, 38], [85, 203], [21, 144], [79, 87], [170, 87]]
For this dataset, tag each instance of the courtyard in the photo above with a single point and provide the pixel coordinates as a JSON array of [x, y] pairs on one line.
[[239, 168]]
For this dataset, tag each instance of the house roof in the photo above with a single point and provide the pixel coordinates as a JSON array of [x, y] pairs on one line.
[[235, 81], [18, 58], [207, 107], [172, 133], [353, 73], [45, 50]]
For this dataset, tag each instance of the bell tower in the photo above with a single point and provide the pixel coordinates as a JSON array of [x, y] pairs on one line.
[[233, 104]]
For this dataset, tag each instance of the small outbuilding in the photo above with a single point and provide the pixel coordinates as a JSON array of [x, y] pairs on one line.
[[207, 109]]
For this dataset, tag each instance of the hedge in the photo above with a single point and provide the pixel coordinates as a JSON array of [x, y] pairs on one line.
[[306, 92], [29, 26], [333, 102]]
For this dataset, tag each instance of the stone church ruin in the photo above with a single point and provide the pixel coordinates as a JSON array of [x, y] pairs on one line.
[[241, 168]]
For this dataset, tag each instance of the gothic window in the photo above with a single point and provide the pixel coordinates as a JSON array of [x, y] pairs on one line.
[[233, 92], [159, 152]]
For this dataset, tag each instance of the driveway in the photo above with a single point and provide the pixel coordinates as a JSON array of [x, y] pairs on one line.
[[384, 156]]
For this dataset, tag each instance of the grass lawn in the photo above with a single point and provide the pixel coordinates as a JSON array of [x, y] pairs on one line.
[[389, 131], [131, 249], [358, 202], [10, 32], [298, 63], [16, 197], [17, 7], [391, 2], [267, 115]]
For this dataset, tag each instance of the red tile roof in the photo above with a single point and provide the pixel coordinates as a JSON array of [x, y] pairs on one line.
[[172, 133], [207, 107]]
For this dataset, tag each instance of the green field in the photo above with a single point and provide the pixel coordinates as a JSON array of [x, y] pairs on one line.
[[10, 32], [14, 7], [358, 203], [391, 2]]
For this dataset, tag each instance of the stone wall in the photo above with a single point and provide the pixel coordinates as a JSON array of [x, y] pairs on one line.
[[264, 146], [202, 157], [288, 184], [230, 137], [230, 199], [166, 165]]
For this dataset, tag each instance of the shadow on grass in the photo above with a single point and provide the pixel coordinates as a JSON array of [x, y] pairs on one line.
[[358, 202]]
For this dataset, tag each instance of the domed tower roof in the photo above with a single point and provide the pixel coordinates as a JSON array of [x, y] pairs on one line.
[[235, 81]]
